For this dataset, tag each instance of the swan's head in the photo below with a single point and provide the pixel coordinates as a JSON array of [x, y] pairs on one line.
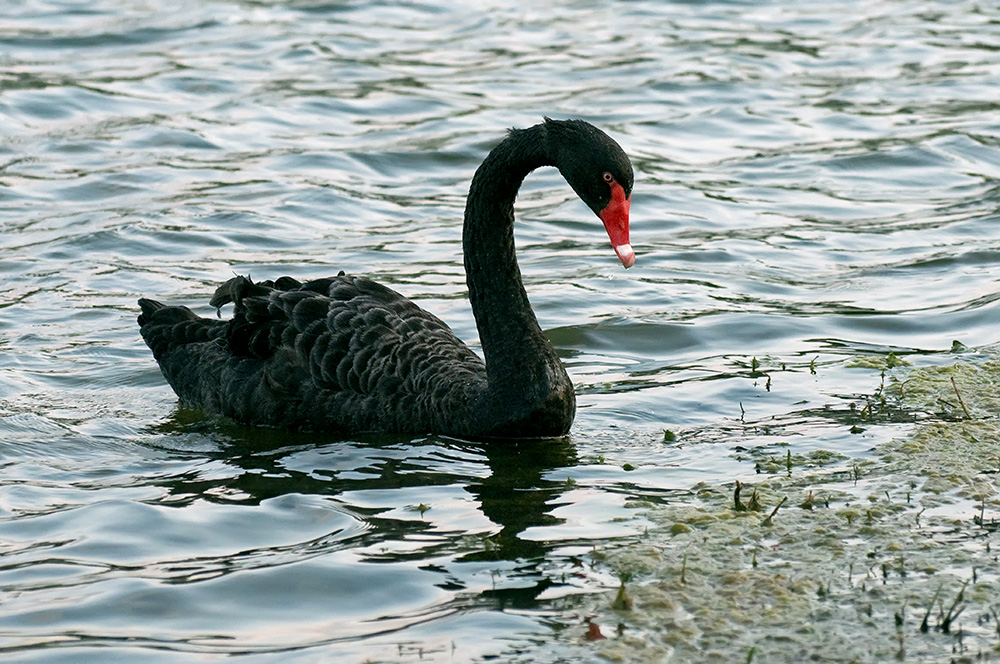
[[600, 174]]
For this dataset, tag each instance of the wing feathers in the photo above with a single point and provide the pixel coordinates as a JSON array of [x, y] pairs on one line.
[[358, 354]]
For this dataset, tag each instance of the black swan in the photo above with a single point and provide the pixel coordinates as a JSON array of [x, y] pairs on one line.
[[347, 355]]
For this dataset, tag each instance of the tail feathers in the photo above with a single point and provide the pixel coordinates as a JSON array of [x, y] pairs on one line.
[[161, 314], [163, 327], [158, 313]]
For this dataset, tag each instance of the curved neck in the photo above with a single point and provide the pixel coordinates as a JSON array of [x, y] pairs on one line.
[[518, 356]]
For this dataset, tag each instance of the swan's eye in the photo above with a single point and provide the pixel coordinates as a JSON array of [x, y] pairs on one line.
[[609, 178]]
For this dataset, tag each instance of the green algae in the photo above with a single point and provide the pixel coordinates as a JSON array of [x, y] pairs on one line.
[[889, 557], [888, 361]]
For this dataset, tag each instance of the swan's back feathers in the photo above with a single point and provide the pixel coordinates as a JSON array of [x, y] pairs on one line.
[[337, 354]]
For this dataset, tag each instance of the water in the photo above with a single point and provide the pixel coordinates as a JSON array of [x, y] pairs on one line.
[[814, 182]]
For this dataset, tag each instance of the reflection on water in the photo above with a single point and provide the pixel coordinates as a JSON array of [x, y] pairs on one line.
[[815, 183], [506, 482]]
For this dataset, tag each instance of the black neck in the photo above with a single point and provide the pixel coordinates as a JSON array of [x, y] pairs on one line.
[[519, 359]]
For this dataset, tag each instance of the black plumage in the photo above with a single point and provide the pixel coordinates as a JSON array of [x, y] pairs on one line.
[[345, 354]]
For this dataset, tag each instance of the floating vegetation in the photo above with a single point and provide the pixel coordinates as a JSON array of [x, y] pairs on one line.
[[887, 557]]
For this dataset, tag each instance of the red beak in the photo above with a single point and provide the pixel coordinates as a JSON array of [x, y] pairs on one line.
[[615, 218]]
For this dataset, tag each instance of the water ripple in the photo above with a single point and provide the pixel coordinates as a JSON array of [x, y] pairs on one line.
[[815, 182]]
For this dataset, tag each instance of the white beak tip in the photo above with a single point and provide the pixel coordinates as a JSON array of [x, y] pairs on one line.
[[625, 255]]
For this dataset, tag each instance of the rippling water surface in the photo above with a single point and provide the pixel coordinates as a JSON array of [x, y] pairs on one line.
[[814, 182]]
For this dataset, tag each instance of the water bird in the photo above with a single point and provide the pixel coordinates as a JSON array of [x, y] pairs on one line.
[[347, 355]]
